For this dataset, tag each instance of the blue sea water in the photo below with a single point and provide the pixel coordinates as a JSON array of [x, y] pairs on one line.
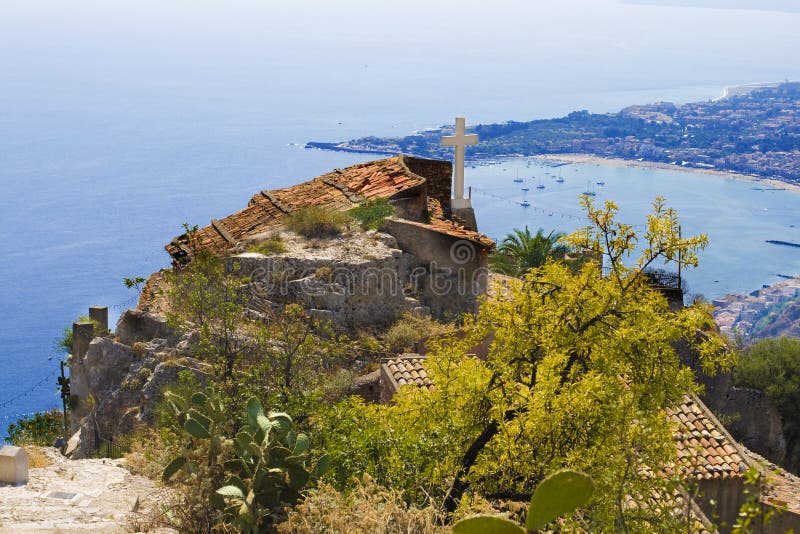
[[119, 121]]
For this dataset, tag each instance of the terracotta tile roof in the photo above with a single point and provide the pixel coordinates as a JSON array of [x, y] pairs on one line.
[[443, 225], [408, 369], [447, 227], [435, 209], [338, 190], [705, 449]]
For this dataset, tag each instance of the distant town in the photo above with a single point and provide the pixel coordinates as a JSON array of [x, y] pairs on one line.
[[751, 130]]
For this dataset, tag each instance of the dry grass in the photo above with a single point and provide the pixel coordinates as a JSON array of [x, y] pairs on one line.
[[37, 458], [270, 246], [147, 456], [368, 509], [410, 328], [314, 221]]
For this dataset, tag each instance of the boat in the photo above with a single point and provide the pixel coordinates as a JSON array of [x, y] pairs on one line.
[[524, 203], [589, 192], [601, 184], [541, 185], [526, 189], [559, 180]]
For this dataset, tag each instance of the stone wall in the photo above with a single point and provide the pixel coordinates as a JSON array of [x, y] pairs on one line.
[[449, 274], [439, 176], [410, 206], [749, 415], [354, 281], [720, 500]]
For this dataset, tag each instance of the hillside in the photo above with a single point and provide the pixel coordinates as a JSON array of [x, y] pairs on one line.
[[753, 132], [772, 311]]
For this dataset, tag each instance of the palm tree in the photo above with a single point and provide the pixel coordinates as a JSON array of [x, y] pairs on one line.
[[520, 251]]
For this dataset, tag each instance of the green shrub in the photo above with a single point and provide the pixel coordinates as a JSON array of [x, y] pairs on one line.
[[371, 213], [314, 221], [42, 429], [324, 273], [273, 245], [773, 366], [558, 495], [409, 329]]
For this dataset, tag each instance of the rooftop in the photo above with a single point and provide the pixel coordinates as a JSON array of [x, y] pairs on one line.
[[705, 449], [341, 189], [408, 369]]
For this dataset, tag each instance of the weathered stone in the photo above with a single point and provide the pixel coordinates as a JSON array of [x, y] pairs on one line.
[[81, 443], [98, 372], [368, 386], [100, 315], [360, 280], [13, 465], [322, 315], [164, 374], [82, 334], [137, 325]]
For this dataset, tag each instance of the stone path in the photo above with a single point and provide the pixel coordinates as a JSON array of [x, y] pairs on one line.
[[78, 496]]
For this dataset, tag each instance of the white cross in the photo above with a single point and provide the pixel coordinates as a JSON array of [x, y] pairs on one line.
[[459, 140]]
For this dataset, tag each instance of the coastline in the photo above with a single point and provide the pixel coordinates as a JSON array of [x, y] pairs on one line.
[[744, 88], [619, 162]]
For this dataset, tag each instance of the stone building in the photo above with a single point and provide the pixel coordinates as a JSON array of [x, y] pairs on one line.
[[440, 264]]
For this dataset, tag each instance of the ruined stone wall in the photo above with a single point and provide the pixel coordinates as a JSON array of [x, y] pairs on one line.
[[439, 175], [449, 274], [411, 204], [349, 282], [749, 415]]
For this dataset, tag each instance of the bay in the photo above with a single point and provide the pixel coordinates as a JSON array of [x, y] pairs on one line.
[[120, 121]]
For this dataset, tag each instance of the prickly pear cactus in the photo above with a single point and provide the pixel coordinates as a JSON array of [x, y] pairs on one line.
[[267, 464], [559, 494]]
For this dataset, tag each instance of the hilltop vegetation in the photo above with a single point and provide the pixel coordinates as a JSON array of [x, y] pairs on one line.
[[756, 132], [580, 372]]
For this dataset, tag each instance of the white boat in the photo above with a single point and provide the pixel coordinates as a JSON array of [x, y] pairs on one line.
[[589, 191]]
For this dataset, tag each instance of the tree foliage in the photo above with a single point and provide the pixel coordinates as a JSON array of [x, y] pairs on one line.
[[773, 366], [521, 251], [41, 429], [579, 374]]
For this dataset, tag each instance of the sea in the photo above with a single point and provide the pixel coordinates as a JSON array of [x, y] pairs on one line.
[[120, 121]]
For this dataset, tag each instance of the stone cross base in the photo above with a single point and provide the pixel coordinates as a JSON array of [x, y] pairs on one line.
[[13, 465], [467, 215], [460, 203]]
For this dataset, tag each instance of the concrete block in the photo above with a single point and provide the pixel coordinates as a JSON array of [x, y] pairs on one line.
[[13, 465]]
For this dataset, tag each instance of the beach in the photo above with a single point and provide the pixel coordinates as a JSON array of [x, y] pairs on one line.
[[619, 162]]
